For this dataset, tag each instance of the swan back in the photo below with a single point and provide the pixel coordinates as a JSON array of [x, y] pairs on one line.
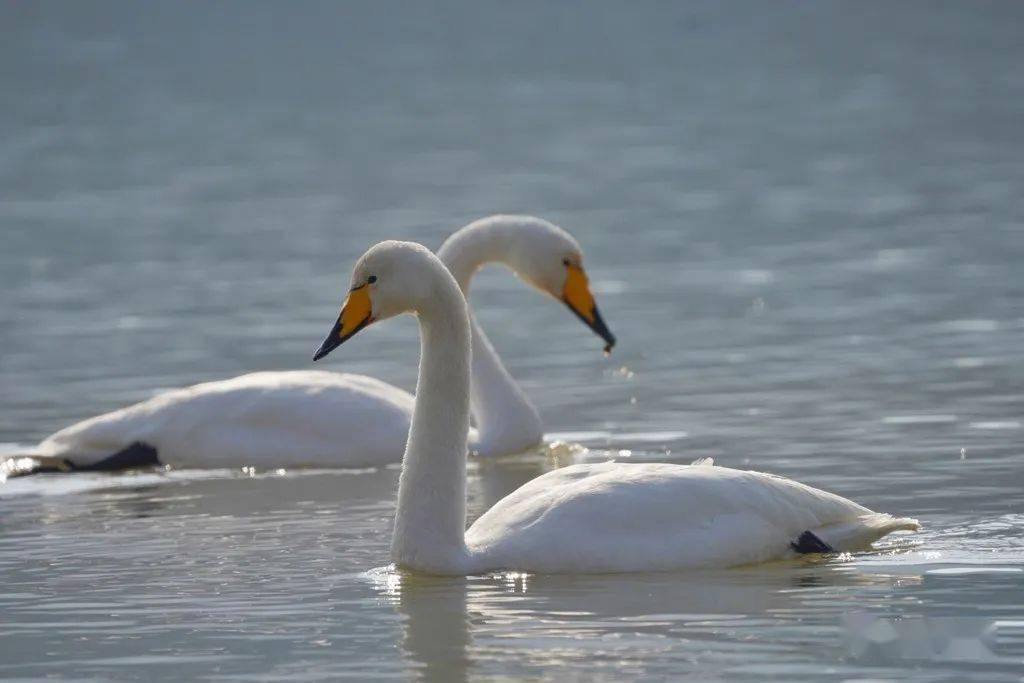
[[263, 419], [625, 517]]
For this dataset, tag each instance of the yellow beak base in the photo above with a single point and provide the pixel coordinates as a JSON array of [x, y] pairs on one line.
[[576, 295], [356, 313]]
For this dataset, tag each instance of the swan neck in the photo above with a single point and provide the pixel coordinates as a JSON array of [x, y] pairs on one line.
[[469, 248], [430, 520], [506, 421]]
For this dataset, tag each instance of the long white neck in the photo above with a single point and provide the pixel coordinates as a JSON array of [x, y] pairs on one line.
[[506, 421], [430, 521]]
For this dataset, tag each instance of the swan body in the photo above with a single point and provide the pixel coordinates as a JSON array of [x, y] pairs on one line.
[[284, 419], [276, 419], [585, 518], [614, 517]]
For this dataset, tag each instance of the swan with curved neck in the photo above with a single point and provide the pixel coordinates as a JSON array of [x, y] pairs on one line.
[[549, 259], [291, 418], [583, 518]]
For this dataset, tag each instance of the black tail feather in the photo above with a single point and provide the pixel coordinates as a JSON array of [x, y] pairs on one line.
[[136, 455], [808, 542]]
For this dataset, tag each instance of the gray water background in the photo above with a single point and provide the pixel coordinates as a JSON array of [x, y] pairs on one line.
[[803, 220]]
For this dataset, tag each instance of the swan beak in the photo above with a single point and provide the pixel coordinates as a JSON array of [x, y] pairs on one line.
[[356, 313], [576, 295]]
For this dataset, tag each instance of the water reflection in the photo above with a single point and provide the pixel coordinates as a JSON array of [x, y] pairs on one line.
[[454, 627], [435, 623]]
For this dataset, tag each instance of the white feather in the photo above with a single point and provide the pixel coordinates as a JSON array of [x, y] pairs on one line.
[[276, 419], [629, 516]]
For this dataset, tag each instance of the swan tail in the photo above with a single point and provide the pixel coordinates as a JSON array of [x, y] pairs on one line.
[[855, 534], [23, 464], [137, 454]]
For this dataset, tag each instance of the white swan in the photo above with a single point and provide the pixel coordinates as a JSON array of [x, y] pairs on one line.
[[278, 419], [584, 518]]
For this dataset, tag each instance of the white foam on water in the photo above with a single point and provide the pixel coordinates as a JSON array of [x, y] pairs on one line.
[[578, 436], [648, 437], [78, 482], [969, 325], [918, 419], [996, 424], [966, 571]]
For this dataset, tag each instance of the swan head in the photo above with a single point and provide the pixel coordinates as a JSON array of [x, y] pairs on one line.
[[551, 260], [391, 278]]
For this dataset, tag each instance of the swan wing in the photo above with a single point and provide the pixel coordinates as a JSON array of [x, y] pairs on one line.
[[268, 419], [628, 517]]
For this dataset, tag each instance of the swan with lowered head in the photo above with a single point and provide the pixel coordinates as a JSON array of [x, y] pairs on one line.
[[289, 418], [584, 518]]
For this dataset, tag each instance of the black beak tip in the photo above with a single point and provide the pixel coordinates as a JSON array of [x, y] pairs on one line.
[[596, 323], [610, 339], [332, 342], [602, 330], [321, 352], [336, 338]]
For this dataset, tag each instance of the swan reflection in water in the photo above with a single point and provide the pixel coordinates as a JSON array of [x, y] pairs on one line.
[[456, 626]]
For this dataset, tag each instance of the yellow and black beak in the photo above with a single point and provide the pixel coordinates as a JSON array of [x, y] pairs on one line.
[[576, 295], [356, 313]]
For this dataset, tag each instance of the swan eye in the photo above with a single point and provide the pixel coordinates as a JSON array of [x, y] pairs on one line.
[[566, 262], [370, 280]]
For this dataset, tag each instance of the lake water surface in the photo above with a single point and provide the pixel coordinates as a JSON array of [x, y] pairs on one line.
[[804, 221]]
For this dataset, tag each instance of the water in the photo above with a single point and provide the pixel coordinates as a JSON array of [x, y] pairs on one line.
[[804, 223]]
